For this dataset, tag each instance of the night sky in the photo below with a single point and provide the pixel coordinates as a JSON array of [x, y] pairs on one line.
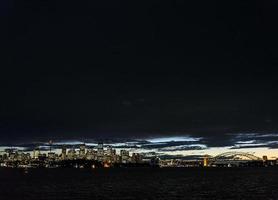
[[138, 69]]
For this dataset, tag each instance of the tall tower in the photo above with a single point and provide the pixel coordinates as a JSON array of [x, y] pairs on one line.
[[100, 145], [64, 152], [36, 153], [100, 151], [109, 150], [50, 145], [206, 161], [82, 150]]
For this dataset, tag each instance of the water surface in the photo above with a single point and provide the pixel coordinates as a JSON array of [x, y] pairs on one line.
[[144, 183]]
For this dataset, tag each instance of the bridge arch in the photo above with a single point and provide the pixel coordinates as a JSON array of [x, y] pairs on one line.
[[233, 154]]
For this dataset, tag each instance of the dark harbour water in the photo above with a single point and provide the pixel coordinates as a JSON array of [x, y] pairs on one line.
[[174, 183]]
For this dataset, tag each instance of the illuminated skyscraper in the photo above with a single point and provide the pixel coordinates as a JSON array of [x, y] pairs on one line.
[[125, 156], [206, 161], [71, 154], [64, 152], [36, 153], [100, 145], [50, 145], [109, 150], [82, 150], [91, 154], [100, 151], [124, 153]]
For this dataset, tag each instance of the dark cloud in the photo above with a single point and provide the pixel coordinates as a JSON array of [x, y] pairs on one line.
[[165, 146], [183, 148], [251, 146], [116, 69], [182, 157], [161, 145]]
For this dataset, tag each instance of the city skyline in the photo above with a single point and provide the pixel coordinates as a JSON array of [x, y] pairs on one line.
[[100, 155], [183, 147]]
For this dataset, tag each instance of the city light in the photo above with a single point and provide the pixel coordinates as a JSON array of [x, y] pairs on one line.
[[105, 156]]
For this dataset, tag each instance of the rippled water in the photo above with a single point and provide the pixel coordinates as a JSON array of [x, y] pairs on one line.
[[181, 183]]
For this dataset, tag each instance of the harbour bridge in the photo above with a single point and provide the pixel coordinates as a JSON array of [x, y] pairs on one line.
[[233, 158]]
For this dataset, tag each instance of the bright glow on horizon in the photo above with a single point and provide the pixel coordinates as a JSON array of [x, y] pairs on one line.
[[174, 139]]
